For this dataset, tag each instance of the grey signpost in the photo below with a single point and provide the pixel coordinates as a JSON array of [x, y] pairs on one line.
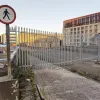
[[7, 16]]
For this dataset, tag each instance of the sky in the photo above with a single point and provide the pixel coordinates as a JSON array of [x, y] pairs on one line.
[[48, 15]]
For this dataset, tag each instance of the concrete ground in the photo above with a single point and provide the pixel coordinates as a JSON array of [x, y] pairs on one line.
[[28, 95], [59, 84], [4, 78]]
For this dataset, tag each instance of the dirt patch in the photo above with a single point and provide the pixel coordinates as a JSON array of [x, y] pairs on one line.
[[88, 69]]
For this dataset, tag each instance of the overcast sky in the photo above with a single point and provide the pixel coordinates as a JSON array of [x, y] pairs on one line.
[[49, 14]]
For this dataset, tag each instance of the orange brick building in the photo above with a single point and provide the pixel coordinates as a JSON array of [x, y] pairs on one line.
[[83, 20]]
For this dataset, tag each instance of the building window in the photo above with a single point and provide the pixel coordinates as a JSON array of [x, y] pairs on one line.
[[96, 18], [90, 31], [86, 31], [86, 27], [75, 22], [95, 26], [72, 23], [71, 29], [71, 33], [68, 24], [82, 28], [79, 21], [99, 17], [83, 20], [78, 32], [77, 36], [87, 20], [65, 26], [82, 32], [75, 44], [74, 36], [93, 17], [90, 19], [95, 31], [78, 28], [78, 44], [74, 40], [78, 40], [91, 27], [74, 33], [74, 29]]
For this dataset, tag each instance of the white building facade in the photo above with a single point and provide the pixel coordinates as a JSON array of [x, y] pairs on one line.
[[80, 30]]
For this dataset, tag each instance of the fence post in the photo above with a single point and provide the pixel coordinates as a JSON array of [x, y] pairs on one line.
[[99, 48], [81, 49], [55, 48]]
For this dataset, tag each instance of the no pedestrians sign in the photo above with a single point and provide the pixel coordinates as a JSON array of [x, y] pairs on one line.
[[7, 14]]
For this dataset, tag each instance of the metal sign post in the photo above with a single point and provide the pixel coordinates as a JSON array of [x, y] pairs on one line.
[[8, 49], [7, 16]]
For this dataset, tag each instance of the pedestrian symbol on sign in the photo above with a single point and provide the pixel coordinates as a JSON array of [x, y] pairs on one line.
[[6, 13]]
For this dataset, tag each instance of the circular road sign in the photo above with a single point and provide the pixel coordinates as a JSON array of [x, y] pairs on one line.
[[7, 14]]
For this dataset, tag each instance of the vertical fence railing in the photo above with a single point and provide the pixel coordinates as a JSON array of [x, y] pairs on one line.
[[66, 49], [64, 52], [59, 50], [24, 58], [98, 43], [41, 49], [46, 48], [26, 47], [32, 42], [16, 44], [49, 47], [81, 47], [19, 46], [29, 47]]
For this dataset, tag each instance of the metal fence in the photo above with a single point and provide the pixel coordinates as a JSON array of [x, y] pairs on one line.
[[43, 48]]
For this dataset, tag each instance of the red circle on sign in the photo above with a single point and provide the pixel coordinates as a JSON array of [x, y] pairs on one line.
[[13, 12]]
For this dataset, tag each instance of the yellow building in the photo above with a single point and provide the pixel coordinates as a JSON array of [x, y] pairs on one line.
[[31, 38], [26, 38]]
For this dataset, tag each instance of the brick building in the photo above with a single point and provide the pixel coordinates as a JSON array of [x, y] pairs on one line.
[[81, 29]]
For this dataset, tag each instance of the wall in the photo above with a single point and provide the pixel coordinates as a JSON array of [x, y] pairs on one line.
[[9, 90]]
